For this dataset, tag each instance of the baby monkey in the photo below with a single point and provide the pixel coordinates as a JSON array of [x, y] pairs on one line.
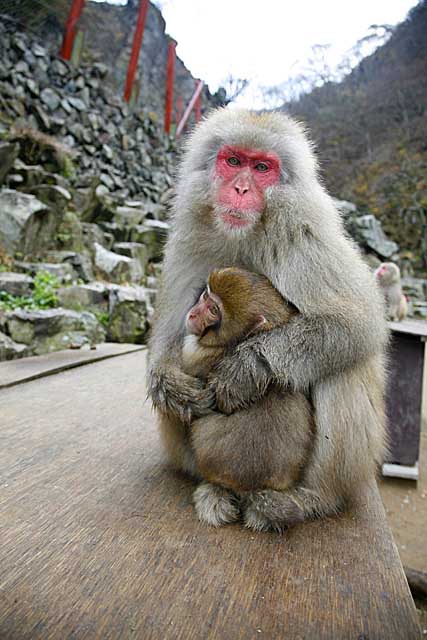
[[268, 445]]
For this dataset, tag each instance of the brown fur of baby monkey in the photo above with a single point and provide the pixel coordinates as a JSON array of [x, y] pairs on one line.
[[267, 446]]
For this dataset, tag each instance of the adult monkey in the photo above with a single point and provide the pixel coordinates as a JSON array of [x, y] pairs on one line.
[[248, 195]]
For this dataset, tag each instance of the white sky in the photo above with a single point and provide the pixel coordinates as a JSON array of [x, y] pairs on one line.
[[263, 39]]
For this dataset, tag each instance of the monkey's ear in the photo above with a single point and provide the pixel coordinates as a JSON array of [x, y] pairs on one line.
[[261, 324]]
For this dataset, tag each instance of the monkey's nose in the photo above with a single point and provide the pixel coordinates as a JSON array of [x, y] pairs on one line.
[[241, 190]]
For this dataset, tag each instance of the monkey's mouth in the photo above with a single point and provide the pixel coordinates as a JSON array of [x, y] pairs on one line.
[[238, 219]]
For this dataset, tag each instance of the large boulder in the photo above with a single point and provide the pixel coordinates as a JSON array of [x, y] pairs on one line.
[[10, 350], [375, 238], [27, 225], [92, 296], [130, 310], [16, 284], [115, 267], [53, 329]]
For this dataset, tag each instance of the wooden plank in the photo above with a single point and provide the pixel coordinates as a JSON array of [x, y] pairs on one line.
[[16, 371], [100, 540], [413, 327]]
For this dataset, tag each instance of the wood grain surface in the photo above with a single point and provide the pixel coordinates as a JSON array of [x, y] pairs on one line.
[[99, 539], [16, 371]]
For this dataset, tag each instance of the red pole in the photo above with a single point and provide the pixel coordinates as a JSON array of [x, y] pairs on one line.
[[136, 48], [198, 107], [170, 71], [70, 28], [179, 109], [189, 108]]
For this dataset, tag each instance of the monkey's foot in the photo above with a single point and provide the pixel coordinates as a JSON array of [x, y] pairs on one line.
[[271, 511], [214, 505]]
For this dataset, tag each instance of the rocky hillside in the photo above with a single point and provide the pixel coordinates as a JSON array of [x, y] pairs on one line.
[[83, 199], [107, 31], [371, 134]]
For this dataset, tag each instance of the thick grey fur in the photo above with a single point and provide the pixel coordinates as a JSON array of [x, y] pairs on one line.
[[333, 350]]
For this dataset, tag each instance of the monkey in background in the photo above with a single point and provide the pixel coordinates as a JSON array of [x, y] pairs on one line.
[[248, 195], [267, 446], [388, 277]]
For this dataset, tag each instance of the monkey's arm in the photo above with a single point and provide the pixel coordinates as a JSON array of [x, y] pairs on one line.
[[340, 324], [298, 355], [175, 392]]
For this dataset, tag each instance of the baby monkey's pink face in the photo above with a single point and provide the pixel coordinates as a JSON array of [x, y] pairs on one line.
[[244, 175], [205, 314]]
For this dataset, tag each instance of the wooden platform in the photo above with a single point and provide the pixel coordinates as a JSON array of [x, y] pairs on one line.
[[17, 371], [99, 539]]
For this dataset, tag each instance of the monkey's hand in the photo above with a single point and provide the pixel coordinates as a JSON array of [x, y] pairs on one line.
[[173, 391], [241, 379]]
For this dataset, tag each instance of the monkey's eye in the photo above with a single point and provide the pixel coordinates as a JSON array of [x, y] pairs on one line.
[[214, 309], [233, 161], [261, 166]]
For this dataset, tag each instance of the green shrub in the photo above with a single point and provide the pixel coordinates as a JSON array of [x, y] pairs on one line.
[[43, 295]]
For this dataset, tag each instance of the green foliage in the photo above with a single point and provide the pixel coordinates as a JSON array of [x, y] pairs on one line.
[[43, 295], [103, 317]]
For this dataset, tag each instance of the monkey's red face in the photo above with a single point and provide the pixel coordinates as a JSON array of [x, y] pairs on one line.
[[206, 314], [244, 175]]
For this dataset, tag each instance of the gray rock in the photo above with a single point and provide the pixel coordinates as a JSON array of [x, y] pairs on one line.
[[11, 350], [33, 88], [129, 216], [345, 207], [92, 233], [419, 309], [50, 98], [415, 288], [26, 224], [82, 265], [85, 296], [17, 284], [76, 103], [63, 272], [39, 51], [8, 155], [115, 267], [107, 180], [53, 329], [53, 195], [375, 238], [59, 67], [152, 234], [130, 308], [22, 67], [134, 250]]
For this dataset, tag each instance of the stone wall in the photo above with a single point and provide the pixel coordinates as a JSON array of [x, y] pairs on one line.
[[84, 187]]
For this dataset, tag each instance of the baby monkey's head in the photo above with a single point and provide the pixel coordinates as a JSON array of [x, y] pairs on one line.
[[234, 304]]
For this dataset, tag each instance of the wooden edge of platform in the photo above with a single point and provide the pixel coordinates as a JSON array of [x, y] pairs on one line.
[[14, 372]]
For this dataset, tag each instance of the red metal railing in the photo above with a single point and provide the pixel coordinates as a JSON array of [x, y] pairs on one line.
[[196, 95], [70, 28], [136, 48], [196, 100], [170, 76]]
